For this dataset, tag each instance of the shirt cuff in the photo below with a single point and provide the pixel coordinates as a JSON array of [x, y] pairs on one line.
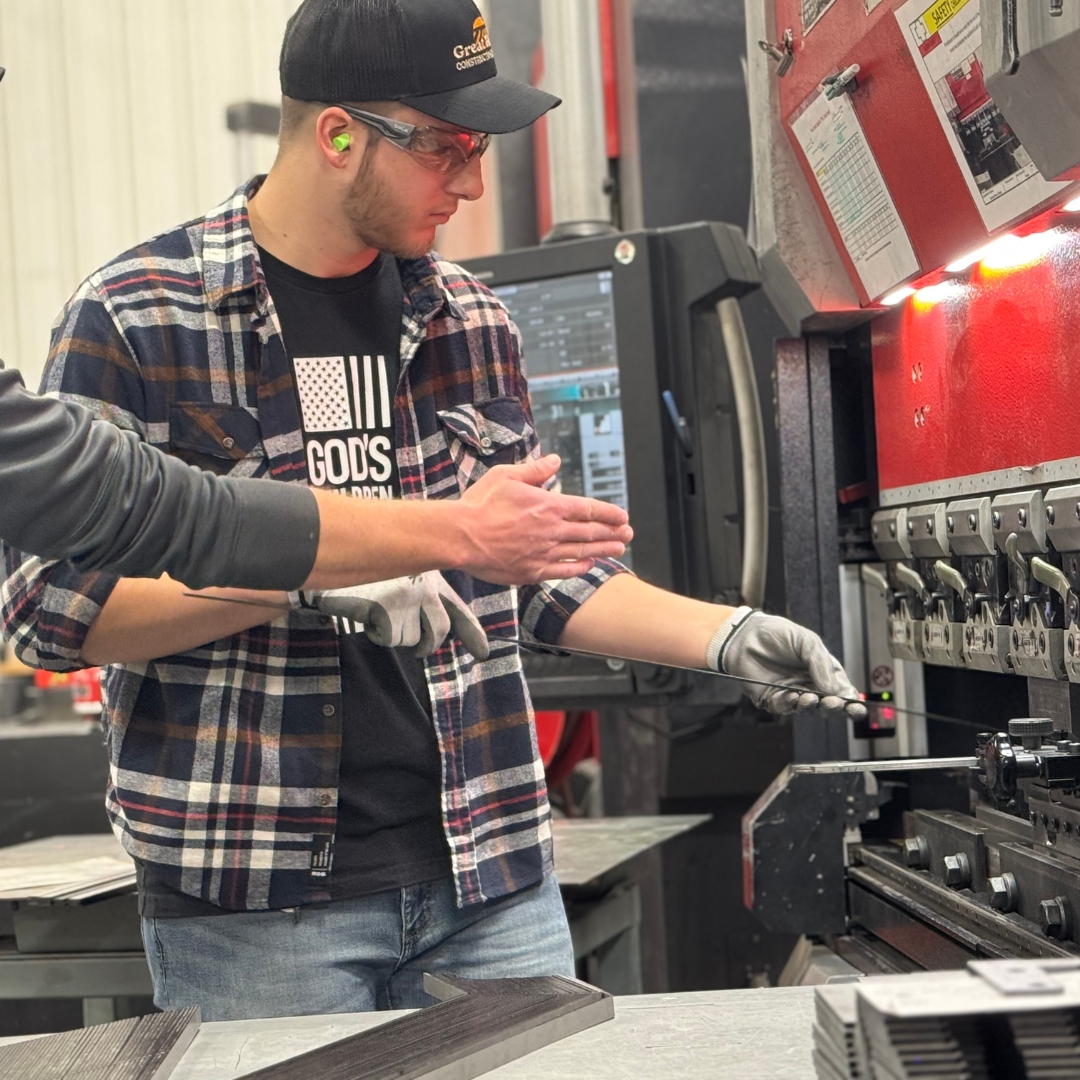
[[715, 652], [545, 609]]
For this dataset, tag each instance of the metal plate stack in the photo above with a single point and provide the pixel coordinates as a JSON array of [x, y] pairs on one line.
[[836, 1055], [994, 1019], [1047, 1043], [66, 869], [945, 1048]]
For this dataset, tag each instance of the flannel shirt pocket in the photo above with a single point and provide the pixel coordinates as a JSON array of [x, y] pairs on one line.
[[484, 434], [213, 437]]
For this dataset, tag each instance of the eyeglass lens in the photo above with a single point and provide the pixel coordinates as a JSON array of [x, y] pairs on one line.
[[446, 151]]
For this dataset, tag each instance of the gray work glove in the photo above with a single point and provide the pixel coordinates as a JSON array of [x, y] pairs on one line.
[[420, 611], [753, 645]]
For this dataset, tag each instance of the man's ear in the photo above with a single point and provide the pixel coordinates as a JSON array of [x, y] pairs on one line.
[[336, 137]]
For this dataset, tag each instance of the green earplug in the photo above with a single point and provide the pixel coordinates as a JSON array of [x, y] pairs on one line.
[[342, 142]]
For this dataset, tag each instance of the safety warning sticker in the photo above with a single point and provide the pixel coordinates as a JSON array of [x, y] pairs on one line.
[[945, 39], [854, 190]]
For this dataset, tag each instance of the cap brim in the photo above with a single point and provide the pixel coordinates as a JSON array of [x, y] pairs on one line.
[[494, 106]]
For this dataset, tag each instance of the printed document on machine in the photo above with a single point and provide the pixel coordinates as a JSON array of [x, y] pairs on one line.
[[945, 39], [854, 190]]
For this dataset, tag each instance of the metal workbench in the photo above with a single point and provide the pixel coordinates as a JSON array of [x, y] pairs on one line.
[[758, 1034], [593, 859]]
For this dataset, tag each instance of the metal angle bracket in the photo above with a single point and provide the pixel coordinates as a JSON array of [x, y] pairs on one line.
[[478, 1025], [142, 1048]]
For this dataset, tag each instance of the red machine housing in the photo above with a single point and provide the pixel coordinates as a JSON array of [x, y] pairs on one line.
[[978, 371], [899, 122], [982, 374]]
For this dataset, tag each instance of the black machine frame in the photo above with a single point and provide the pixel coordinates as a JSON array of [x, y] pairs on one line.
[[683, 486]]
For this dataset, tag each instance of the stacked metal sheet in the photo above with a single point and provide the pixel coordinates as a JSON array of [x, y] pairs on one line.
[[836, 1055], [90, 879], [66, 869], [994, 1019], [944, 1048], [1048, 1043], [144, 1048]]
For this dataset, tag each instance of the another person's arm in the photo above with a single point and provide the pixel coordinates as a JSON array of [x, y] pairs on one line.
[[504, 529], [508, 530], [74, 488]]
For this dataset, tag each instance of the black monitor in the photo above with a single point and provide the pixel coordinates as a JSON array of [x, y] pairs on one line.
[[621, 340], [567, 327]]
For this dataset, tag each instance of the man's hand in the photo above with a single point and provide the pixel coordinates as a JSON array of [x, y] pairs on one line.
[[756, 646], [519, 533], [406, 612]]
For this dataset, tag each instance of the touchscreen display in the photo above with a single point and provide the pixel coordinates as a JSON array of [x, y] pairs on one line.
[[570, 358]]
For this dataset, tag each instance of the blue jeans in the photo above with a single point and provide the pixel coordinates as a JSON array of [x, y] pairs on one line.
[[353, 955]]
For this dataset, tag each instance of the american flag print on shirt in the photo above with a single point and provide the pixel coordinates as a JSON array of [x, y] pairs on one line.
[[345, 409]]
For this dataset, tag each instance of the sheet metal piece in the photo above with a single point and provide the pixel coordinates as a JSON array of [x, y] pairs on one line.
[[143, 1048], [65, 870], [477, 1026], [836, 1048]]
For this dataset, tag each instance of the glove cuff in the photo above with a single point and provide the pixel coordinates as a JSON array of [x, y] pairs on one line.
[[714, 654], [303, 601]]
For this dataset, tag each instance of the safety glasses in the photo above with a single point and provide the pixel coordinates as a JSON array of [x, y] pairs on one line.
[[438, 149]]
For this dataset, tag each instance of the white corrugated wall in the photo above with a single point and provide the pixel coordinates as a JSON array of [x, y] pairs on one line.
[[112, 129]]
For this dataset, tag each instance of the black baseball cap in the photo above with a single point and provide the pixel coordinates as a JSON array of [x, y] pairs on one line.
[[433, 55]]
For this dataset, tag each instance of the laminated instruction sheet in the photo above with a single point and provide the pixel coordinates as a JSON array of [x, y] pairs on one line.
[[945, 39], [854, 190]]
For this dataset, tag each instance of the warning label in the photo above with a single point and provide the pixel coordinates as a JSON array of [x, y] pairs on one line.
[[934, 18]]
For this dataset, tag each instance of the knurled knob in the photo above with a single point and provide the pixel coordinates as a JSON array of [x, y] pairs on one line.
[[1031, 726]]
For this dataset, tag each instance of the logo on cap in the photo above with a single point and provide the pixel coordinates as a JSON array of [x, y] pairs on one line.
[[479, 51]]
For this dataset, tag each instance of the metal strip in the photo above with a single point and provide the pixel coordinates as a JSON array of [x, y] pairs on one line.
[[835, 716], [886, 765], [1020, 476]]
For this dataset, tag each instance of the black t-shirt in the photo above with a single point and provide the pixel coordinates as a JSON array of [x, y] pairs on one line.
[[342, 336]]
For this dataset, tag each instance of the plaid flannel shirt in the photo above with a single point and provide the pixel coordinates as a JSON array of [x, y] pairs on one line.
[[224, 760]]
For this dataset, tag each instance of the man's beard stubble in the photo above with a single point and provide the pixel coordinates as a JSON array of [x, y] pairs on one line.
[[376, 216]]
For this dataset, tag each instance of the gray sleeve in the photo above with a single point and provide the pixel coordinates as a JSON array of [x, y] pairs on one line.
[[75, 488]]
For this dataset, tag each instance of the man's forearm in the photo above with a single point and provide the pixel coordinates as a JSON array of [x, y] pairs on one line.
[[629, 618], [80, 489], [364, 540], [505, 529], [146, 620]]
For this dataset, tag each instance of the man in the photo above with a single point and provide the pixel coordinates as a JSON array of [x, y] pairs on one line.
[[73, 488], [318, 821], [88, 492]]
